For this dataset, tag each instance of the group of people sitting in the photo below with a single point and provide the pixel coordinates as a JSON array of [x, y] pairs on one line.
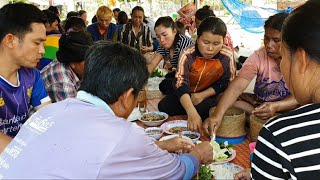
[[94, 87]]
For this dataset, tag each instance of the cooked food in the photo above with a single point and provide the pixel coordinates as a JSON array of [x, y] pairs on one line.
[[152, 117], [178, 129], [154, 132], [191, 136], [221, 152]]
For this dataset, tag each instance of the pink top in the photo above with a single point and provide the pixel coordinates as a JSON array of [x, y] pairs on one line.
[[270, 85]]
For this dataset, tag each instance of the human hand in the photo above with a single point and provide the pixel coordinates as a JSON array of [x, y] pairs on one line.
[[265, 110], [196, 98], [194, 122], [205, 152], [227, 51], [149, 56], [243, 175], [144, 49], [177, 144], [211, 125]]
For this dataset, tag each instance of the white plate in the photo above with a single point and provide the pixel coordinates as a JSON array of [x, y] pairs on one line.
[[172, 136], [229, 159], [225, 171], [171, 124]]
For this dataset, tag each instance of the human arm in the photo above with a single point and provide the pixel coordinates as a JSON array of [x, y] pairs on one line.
[[175, 144], [39, 96], [145, 49], [4, 141], [229, 97], [197, 98], [227, 51], [148, 47], [153, 60], [268, 109]]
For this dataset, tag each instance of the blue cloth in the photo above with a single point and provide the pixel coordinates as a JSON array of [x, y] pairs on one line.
[[250, 18], [113, 30], [16, 101], [191, 163]]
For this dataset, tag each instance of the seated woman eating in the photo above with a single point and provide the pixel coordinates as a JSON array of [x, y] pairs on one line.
[[203, 73], [271, 93]]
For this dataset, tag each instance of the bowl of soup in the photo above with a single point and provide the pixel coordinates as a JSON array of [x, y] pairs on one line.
[[194, 136], [154, 118], [154, 132]]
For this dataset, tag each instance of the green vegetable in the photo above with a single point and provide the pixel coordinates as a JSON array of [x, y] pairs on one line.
[[222, 151], [157, 73], [205, 173]]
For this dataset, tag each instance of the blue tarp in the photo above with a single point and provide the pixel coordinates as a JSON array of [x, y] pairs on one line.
[[250, 18]]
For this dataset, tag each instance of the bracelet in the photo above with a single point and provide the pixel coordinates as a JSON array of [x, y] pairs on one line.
[[199, 154]]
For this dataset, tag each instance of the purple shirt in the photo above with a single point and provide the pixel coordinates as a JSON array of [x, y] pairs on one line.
[[84, 139], [15, 101]]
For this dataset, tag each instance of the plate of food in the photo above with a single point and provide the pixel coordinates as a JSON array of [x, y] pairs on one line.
[[225, 171], [175, 127], [222, 152], [153, 118]]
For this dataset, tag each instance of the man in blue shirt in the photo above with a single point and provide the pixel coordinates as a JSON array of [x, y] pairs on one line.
[[21, 48]]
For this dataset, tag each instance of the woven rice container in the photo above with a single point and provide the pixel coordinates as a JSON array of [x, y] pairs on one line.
[[233, 123], [256, 125]]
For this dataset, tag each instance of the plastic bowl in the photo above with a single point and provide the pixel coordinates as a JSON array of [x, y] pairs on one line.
[[151, 132], [154, 123], [189, 134]]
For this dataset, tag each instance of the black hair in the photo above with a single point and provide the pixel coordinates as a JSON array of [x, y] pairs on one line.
[[94, 19], [168, 22], [51, 16], [180, 27], [276, 21], [214, 25], [72, 13], [113, 68], [76, 23], [137, 8], [54, 9], [123, 17], [302, 29], [204, 12], [116, 9], [73, 45], [17, 19], [81, 12]]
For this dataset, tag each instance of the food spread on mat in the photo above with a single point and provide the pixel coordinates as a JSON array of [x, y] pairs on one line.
[[154, 132], [221, 151], [152, 117], [178, 129]]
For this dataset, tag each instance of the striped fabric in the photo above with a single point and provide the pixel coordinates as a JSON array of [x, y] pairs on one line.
[[143, 37], [289, 146], [182, 43], [60, 81]]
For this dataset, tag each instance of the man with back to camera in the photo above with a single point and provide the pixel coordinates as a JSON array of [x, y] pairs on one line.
[[88, 137], [21, 47]]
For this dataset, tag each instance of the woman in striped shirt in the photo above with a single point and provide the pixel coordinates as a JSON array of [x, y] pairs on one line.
[[289, 145], [171, 43]]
